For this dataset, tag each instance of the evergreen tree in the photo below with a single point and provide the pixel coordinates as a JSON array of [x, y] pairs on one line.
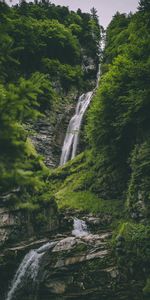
[[144, 5]]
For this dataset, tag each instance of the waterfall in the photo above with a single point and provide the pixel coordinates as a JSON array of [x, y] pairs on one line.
[[28, 269], [71, 140], [79, 228], [70, 144]]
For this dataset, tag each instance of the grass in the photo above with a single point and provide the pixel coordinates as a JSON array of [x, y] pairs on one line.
[[86, 201], [70, 186]]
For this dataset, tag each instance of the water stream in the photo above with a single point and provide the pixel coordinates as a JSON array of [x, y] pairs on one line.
[[79, 228], [69, 148], [29, 267], [70, 144]]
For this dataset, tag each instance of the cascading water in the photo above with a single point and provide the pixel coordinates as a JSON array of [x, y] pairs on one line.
[[69, 148], [79, 228], [28, 269], [71, 140]]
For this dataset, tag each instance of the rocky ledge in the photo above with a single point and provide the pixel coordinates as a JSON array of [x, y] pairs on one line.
[[70, 267]]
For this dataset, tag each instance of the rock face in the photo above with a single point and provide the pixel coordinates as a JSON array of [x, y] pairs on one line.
[[19, 230], [72, 267], [17, 225], [77, 269], [77, 265], [18, 234], [48, 133]]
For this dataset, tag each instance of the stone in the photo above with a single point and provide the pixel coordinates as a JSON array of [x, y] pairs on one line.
[[65, 244]]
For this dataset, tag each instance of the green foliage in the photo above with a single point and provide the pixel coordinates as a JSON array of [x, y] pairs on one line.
[[139, 190], [42, 48], [116, 36], [144, 5], [7, 55], [30, 32], [87, 202], [146, 289], [132, 252], [18, 104], [45, 38], [118, 119], [70, 188], [66, 74], [134, 232]]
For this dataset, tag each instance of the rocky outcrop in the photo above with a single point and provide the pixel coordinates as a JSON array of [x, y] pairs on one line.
[[18, 224], [19, 232], [72, 268], [77, 268], [77, 265], [48, 133]]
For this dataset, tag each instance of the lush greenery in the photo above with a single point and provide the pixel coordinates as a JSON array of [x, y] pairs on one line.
[[118, 126], [132, 246], [117, 162], [115, 168], [69, 185], [41, 54], [44, 52]]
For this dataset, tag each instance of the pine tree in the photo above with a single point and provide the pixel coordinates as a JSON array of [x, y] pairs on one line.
[[94, 13], [144, 5]]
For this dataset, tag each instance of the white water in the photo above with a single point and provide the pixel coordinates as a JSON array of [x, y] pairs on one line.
[[70, 144], [71, 140], [79, 228], [28, 268]]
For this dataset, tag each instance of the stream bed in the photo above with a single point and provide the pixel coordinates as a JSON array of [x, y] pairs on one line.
[[74, 266]]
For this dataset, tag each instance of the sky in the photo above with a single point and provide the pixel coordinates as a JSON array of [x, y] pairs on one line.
[[105, 8]]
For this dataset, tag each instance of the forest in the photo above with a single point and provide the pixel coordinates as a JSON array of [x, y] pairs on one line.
[[49, 56], [40, 45]]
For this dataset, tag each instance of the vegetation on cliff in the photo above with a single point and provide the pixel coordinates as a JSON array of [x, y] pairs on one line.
[[43, 52], [118, 126], [116, 164]]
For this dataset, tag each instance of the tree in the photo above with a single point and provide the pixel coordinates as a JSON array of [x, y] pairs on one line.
[[94, 13], [144, 5], [119, 119], [19, 104]]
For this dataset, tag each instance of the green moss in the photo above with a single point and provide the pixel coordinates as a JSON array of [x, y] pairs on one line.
[[134, 232], [30, 149], [132, 246], [79, 249], [138, 196], [41, 219], [87, 201], [29, 206], [70, 185], [146, 289]]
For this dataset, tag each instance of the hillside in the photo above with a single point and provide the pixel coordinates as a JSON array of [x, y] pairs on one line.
[[49, 56]]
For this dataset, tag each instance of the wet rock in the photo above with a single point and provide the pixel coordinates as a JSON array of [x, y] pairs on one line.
[[48, 133], [73, 261], [65, 244], [95, 222]]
